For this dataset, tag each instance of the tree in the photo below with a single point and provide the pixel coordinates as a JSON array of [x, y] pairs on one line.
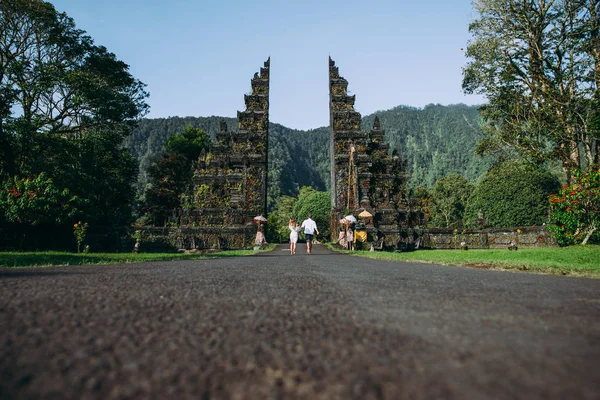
[[279, 219], [449, 198], [171, 176], [316, 203], [512, 194], [188, 143], [57, 85], [65, 103], [538, 64], [576, 209]]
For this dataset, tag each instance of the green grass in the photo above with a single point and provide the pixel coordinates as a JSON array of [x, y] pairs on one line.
[[52, 258], [572, 260]]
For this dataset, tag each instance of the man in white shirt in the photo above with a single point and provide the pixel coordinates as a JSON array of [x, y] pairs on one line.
[[310, 227]]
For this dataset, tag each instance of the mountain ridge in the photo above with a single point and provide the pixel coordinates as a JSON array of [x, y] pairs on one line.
[[435, 140]]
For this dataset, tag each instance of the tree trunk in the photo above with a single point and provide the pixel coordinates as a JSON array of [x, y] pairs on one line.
[[589, 235]]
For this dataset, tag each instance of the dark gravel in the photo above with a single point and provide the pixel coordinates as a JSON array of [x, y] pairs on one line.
[[280, 326]]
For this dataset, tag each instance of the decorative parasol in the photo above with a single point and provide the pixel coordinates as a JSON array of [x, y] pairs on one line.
[[350, 218], [260, 219], [365, 214]]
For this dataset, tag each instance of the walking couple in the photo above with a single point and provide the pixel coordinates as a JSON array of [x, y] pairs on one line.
[[310, 227]]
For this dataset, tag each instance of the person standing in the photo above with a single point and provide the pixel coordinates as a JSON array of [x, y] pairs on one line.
[[294, 228], [350, 239], [260, 239], [310, 227]]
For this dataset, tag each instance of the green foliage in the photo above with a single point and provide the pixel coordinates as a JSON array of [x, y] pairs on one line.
[[279, 219], [449, 198], [65, 106], [103, 174], [576, 210], [170, 177], [188, 143], [537, 64], [435, 141], [512, 194], [420, 199], [36, 200], [316, 203]]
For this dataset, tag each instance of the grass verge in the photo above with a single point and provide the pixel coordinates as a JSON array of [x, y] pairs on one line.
[[53, 258], [573, 260]]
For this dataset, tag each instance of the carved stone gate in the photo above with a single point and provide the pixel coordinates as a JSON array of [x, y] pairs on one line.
[[363, 175], [230, 183]]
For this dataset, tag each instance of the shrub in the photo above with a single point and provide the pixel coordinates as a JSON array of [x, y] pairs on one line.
[[512, 193], [576, 210]]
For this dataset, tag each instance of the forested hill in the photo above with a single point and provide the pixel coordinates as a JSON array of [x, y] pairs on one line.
[[435, 140]]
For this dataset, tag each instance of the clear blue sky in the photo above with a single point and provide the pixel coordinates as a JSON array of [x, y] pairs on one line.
[[197, 56]]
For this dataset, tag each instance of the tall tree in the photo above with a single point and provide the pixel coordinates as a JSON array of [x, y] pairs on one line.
[[538, 64], [449, 198], [64, 101], [170, 183]]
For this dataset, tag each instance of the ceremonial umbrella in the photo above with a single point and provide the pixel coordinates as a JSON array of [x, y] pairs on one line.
[[351, 218], [260, 219], [365, 214]]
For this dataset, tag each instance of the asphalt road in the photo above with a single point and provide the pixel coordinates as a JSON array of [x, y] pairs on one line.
[[280, 326]]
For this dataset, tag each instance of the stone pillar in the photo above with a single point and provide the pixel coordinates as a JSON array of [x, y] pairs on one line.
[[348, 167], [230, 184]]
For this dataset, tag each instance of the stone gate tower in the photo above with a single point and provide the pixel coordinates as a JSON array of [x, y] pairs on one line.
[[230, 182], [363, 174]]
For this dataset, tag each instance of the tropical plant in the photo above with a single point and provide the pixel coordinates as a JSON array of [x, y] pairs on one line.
[[36, 200], [576, 209], [170, 177]]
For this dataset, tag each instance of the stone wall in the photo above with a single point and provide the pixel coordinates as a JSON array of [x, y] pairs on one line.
[[492, 238], [155, 239]]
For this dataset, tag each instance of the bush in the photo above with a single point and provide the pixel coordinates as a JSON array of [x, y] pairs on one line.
[[576, 210], [512, 194]]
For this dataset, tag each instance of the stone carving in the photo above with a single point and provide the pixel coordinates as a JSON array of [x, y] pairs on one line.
[[363, 174], [230, 182]]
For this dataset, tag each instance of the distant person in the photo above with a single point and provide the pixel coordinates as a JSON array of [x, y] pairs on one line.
[[310, 227], [342, 236], [260, 239], [350, 239], [294, 228]]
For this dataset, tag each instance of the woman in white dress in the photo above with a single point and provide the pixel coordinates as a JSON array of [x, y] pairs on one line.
[[294, 228]]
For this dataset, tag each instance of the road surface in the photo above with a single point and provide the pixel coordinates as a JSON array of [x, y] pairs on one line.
[[273, 325]]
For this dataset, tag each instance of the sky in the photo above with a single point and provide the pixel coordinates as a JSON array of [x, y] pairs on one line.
[[197, 56]]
